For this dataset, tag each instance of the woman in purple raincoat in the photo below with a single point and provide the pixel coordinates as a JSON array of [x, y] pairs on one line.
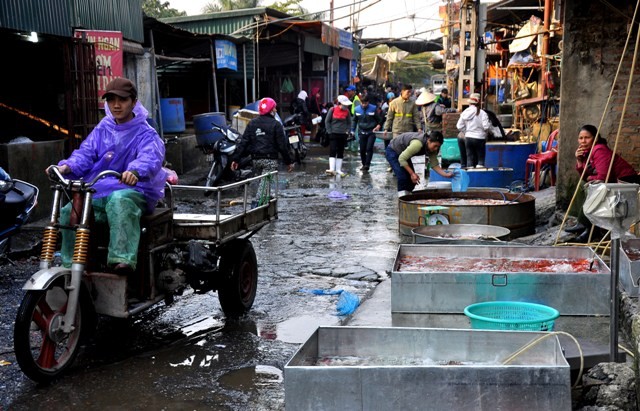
[[123, 141]]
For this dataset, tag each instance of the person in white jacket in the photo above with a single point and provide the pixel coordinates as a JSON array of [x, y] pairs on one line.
[[474, 123]]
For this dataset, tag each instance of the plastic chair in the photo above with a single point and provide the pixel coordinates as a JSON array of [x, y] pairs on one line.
[[537, 161]]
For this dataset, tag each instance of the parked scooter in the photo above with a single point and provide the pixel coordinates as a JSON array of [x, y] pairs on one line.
[[17, 202], [220, 155], [207, 252], [297, 148]]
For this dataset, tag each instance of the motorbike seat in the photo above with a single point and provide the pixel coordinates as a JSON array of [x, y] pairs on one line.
[[292, 119]]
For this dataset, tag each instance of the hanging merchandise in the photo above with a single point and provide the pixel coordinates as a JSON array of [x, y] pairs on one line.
[[287, 86]]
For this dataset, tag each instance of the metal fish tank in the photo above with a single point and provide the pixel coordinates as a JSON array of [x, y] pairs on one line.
[[630, 266], [368, 368], [444, 279]]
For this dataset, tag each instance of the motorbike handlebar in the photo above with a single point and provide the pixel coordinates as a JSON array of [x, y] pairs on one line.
[[56, 175]]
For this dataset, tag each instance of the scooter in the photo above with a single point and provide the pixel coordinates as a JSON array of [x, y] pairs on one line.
[[297, 148], [18, 199], [207, 252], [220, 154]]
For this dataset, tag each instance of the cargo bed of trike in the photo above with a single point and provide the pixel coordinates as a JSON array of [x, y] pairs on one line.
[[226, 221]]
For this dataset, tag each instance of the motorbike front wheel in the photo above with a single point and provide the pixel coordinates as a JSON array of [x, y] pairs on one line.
[[42, 349], [239, 268], [215, 174]]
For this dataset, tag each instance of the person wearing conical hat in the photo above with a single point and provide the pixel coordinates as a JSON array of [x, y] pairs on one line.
[[432, 111]]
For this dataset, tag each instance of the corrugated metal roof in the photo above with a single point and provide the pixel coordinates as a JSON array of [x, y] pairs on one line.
[[118, 15], [59, 17], [228, 14], [30, 15], [214, 24], [316, 46]]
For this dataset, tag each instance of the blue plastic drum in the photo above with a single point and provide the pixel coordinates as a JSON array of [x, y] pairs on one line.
[[172, 110], [203, 126], [509, 155]]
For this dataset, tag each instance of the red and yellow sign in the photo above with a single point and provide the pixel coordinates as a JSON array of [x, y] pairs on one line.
[[109, 56]]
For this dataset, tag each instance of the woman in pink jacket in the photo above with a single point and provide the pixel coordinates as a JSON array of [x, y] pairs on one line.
[[597, 169], [598, 166]]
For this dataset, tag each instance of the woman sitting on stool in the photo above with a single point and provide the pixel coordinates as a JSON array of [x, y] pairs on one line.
[[597, 169]]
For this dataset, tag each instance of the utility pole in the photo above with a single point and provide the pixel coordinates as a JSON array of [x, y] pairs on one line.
[[468, 36], [331, 13], [548, 8]]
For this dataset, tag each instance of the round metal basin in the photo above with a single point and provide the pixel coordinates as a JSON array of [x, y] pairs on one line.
[[466, 234], [516, 212]]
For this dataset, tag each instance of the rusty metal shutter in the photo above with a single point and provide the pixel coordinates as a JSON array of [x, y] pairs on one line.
[[82, 91]]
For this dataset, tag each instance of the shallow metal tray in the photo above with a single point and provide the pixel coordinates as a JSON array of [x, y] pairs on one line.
[[450, 292], [456, 370], [630, 266]]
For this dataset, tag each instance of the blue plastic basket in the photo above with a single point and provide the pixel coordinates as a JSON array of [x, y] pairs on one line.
[[511, 315]]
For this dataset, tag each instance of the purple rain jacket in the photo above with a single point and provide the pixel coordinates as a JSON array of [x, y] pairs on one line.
[[132, 146]]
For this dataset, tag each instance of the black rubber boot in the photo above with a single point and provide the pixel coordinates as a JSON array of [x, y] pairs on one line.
[[583, 237], [578, 228]]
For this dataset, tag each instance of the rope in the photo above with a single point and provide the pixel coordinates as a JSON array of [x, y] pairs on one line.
[[265, 190], [615, 80]]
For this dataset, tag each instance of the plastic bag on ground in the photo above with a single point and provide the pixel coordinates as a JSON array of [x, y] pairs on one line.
[[336, 195], [316, 291], [347, 303]]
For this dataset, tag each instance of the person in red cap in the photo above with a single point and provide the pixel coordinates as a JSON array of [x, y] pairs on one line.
[[264, 138], [315, 108], [123, 141]]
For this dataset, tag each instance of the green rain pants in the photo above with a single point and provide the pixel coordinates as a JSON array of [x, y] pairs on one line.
[[122, 210]]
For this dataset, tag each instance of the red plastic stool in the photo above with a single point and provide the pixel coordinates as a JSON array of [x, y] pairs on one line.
[[536, 161]]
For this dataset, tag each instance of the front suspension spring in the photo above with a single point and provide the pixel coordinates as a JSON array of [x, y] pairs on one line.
[[49, 240], [81, 247]]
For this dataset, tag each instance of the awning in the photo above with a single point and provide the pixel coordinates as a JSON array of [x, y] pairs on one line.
[[412, 46], [512, 12]]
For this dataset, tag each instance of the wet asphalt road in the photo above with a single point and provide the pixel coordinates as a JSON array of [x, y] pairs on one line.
[[187, 356]]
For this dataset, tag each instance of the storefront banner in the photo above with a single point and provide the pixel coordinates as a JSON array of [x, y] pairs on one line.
[[109, 56], [226, 55], [346, 40]]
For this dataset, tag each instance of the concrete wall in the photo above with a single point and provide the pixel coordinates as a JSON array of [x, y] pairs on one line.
[[27, 162], [185, 156], [593, 43]]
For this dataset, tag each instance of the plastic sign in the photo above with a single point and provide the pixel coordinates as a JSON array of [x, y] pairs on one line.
[[226, 55]]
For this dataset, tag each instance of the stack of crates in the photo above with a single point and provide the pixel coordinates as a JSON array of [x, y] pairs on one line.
[[449, 121]]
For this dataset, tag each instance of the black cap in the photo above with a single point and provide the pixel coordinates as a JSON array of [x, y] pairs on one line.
[[121, 87]]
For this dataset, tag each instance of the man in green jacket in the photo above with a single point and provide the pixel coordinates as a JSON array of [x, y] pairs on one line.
[[403, 115]]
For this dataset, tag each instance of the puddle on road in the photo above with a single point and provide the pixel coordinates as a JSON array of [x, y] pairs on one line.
[[202, 325], [252, 378], [295, 330]]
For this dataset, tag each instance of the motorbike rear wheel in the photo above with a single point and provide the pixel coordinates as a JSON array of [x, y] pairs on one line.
[[43, 350], [239, 268]]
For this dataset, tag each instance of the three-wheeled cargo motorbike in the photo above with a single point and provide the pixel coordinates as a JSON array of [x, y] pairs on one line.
[[207, 252]]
